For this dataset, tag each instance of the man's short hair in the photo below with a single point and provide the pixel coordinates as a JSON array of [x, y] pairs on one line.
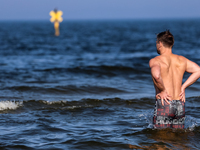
[[166, 38]]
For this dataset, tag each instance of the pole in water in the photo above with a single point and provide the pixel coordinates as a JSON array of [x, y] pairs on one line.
[[56, 19]]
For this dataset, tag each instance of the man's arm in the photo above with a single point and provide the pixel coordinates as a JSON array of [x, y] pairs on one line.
[[193, 68], [157, 79], [156, 74]]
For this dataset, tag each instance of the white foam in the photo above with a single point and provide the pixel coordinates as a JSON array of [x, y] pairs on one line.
[[54, 102], [9, 105], [190, 122], [148, 116]]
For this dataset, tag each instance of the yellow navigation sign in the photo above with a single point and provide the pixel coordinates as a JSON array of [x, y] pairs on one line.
[[56, 18]]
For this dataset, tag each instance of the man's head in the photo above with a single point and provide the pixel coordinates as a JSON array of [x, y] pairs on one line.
[[164, 39]]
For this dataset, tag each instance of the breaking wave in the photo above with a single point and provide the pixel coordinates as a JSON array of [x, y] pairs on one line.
[[11, 105]]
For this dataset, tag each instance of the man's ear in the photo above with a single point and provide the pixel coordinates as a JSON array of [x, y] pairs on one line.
[[160, 44]]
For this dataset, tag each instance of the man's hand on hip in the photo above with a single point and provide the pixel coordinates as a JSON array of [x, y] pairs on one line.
[[182, 95], [164, 96]]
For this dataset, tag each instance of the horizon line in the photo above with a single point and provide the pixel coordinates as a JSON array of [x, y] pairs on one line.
[[107, 19]]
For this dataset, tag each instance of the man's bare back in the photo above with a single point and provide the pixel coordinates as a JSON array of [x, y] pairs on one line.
[[172, 68], [167, 72]]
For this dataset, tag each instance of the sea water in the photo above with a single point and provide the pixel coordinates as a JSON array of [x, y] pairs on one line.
[[90, 87]]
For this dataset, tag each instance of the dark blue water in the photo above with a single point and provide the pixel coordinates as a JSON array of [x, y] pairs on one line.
[[90, 88]]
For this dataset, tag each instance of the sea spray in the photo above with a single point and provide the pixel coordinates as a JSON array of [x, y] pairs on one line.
[[190, 122], [10, 105], [148, 116]]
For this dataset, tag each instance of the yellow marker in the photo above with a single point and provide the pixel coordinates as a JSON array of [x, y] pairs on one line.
[[56, 18]]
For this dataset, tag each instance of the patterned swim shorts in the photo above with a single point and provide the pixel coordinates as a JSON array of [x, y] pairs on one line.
[[170, 115]]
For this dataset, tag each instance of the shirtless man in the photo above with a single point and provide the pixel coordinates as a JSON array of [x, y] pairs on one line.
[[167, 72]]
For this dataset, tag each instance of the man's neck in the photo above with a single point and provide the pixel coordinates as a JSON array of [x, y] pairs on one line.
[[166, 51]]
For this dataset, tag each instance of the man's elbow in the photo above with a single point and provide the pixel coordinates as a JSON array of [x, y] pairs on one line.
[[198, 72], [157, 76]]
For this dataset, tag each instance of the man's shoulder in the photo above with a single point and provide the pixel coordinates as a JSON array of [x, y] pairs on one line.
[[180, 57], [154, 60]]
